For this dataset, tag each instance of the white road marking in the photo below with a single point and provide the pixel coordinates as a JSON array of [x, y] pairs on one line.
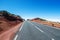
[[37, 28], [16, 37], [53, 39], [52, 27], [40, 30], [19, 31], [56, 28], [48, 25], [21, 26]]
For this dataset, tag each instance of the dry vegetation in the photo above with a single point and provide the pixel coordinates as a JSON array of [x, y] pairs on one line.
[[8, 20], [45, 22], [9, 24]]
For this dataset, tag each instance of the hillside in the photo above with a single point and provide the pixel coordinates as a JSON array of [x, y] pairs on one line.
[[46, 22], [8, 22]]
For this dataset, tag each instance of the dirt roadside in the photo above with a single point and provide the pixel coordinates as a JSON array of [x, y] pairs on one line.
[[9, 34], [53, 24]]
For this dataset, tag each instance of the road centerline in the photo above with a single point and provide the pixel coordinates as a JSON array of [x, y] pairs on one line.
[[37, 27]]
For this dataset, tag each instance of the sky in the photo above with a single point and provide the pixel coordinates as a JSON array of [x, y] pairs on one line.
[[28, 9]]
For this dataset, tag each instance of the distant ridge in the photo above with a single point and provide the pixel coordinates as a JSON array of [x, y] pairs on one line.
[[39, 19]]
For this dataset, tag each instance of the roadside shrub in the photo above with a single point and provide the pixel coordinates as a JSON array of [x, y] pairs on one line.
[[40, 19], [9, 16]]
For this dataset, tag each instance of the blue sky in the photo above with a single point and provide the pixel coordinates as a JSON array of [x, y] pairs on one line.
[[46, 9]]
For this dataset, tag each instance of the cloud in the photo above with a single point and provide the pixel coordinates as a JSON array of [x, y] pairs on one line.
[[54, 20]]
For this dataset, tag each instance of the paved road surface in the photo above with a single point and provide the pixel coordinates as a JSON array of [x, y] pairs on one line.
[[34, 31]]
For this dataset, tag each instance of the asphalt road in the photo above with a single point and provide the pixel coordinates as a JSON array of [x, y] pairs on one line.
[[34, 31]]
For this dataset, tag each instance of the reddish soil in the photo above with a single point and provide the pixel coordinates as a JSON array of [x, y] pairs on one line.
[[54, 24], [8, 28]]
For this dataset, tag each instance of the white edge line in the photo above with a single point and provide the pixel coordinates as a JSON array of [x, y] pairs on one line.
[[15, 37], [19, 30], [21, 26], [49, 26], [53, 39]]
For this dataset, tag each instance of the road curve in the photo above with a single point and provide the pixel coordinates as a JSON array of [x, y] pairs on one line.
[[34, 31]]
